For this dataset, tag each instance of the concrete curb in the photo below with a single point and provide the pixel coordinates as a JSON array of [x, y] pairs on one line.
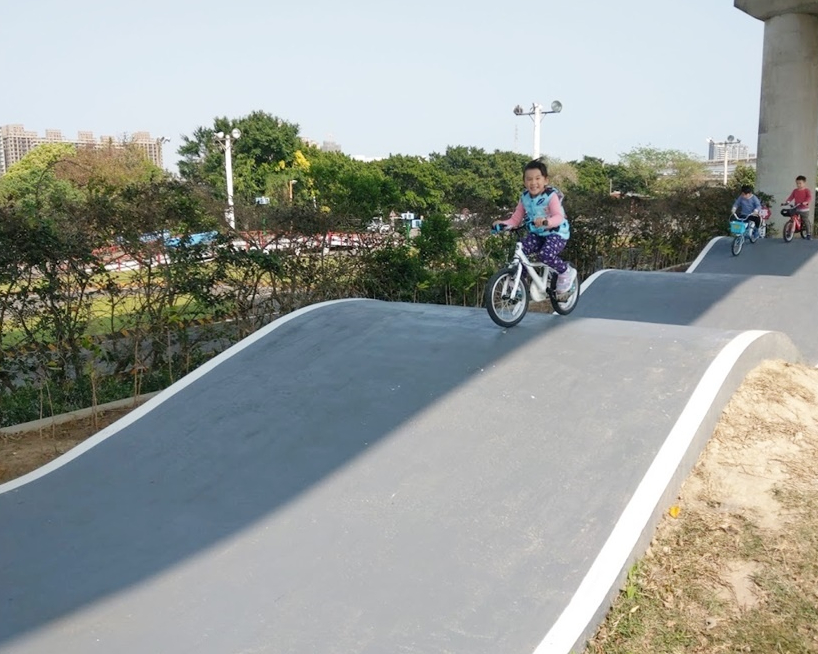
[[79, 414]]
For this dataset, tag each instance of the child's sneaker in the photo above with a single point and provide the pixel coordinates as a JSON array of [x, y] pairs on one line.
[[566, 280]]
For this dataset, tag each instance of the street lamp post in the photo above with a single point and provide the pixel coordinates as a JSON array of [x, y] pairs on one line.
[[226, 140], [725, 145], [160, 142], [537, 114]]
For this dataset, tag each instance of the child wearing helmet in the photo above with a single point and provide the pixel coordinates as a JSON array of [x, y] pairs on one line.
[[540, 206]]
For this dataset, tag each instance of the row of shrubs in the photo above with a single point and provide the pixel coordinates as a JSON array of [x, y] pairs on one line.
[[76, 334]]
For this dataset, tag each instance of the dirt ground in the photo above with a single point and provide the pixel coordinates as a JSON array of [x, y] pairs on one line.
[[732, 566], [26, 451], [757, 472]]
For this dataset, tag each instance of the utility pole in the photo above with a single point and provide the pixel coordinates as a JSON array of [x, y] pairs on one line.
[[225, 140], [537, 114]]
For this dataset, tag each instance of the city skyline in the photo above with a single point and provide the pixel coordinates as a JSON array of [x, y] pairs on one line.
[[16, 141]]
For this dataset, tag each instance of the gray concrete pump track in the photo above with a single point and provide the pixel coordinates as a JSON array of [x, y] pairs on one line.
[[363, 476]]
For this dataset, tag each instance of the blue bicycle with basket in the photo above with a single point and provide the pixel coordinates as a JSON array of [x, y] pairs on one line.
[[742, 229]]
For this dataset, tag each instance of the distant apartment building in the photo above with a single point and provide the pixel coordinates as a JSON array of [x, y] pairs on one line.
[[734, 150], [329, 145], [16, 142]]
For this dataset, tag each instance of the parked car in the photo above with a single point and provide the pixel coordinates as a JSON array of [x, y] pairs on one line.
[[378, 226]]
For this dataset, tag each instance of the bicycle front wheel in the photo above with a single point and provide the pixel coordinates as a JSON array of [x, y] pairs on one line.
[[504, 309], [738, 243], [789, 231]]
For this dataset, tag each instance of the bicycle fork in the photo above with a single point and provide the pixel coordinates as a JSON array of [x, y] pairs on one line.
[[511, 291]]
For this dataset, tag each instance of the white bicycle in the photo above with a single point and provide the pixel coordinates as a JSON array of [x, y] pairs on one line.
[[509, 292]]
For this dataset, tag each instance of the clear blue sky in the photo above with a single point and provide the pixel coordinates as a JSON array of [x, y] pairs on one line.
[[381, 77]]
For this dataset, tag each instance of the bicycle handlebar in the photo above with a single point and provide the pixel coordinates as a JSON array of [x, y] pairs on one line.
[[499, 228]]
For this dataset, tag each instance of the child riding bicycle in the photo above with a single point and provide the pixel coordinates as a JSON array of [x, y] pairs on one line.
[[799, 200], [540, 206], [747, 206]]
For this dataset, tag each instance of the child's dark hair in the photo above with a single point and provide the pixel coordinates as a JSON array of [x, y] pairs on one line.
[[801, 177], [746, 189], [536, 164]]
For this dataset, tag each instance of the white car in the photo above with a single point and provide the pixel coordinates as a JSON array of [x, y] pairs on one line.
[[379, 226]]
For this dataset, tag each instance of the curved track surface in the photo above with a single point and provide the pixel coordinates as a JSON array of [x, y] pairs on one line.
[[770, 285], [362, 476]]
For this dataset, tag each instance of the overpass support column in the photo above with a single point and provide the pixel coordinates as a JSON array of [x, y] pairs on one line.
[[788, 122]]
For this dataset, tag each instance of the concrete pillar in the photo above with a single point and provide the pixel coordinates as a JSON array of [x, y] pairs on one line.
[[788, 123]]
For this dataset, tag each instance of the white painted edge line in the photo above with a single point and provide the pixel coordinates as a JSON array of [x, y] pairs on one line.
[[166, 394], [612, 558], [584, 286], [703, 253]]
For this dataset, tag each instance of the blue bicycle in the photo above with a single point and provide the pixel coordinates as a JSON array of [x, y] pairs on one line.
[[742, 229]]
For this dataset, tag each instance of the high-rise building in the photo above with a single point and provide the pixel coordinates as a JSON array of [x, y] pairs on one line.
[[734, 150], [16, 142], [329, 145]]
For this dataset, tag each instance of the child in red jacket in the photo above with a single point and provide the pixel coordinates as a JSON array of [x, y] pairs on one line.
[[801, 198]]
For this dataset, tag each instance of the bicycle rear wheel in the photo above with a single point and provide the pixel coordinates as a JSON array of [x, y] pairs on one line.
[[503, 309], [565, 303], [752, 233]]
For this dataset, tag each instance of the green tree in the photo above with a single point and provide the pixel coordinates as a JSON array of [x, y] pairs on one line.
[[742, 175], [485, 183], [466, 176], [263, 157], [415, 184], [560, 173], [659, 172], [347, 187], [32, 185], [624, 180], [437, 241], [107, 169], [60, 269], [507, 174], [597, 177], [592, 176]]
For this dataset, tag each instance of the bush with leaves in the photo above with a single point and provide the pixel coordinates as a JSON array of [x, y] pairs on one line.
[[645, 233]]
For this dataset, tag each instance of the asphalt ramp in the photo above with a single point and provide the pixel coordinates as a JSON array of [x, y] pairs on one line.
[[363, 476], [771, 285]]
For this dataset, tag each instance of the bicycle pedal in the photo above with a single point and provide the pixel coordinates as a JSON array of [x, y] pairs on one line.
[[567, 294]]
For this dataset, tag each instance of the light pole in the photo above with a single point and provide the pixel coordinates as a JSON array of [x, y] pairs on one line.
[[537, 114], [290, 187], [226, 140], [160, 142], [725, 145]]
